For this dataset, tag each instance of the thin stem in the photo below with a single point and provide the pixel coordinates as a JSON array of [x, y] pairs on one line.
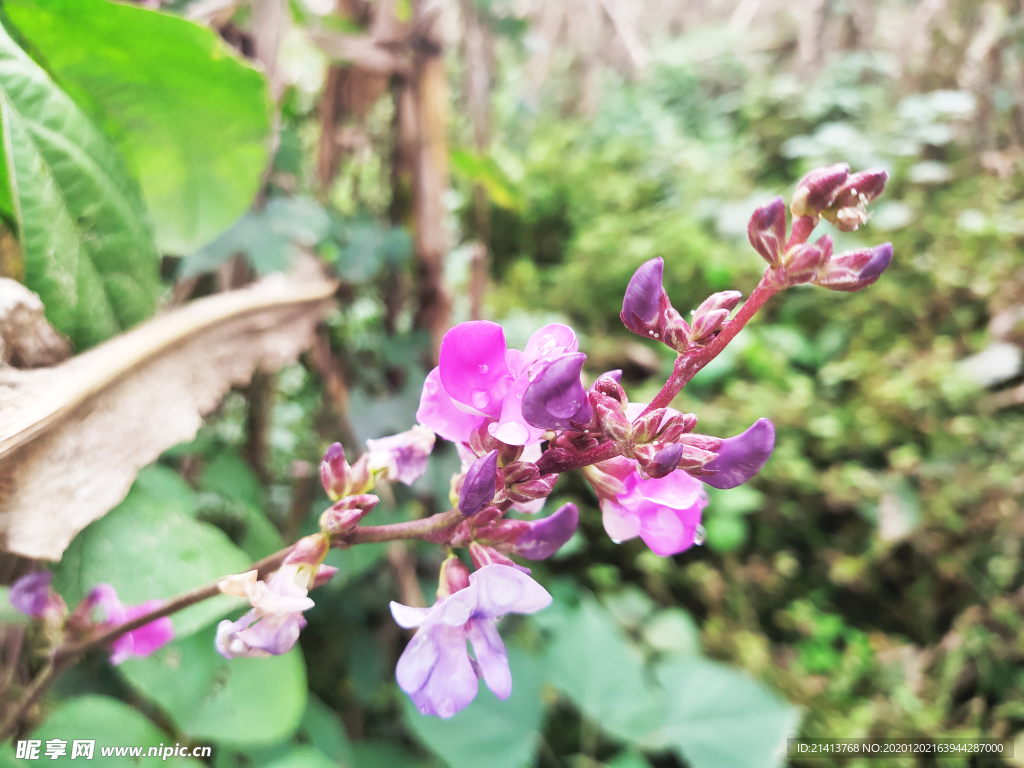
[[687, 365], [31, 695], [412, 529]]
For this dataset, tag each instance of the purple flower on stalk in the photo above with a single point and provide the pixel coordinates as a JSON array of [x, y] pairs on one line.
[[478, 487], [139, 642], [818, 189], [542, 538], [741, 457], [556, 397], [435, 668], [854, 270], [29, 593], [402, 457], [642, 299], [479, 378], [767, 230]]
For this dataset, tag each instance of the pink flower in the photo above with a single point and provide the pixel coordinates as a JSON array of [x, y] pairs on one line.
[[139, 642], [435, 669], [402, 457], [480, 378]]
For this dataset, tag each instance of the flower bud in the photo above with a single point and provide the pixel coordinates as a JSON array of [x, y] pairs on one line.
[[767, 230], [306, 555], [539, 487], [741, 457], [609, 386], [849, 209], [334, 472], [642, 300], [610, 418], [677, 425], [323, 575], [645, 428], [29, 593], [816, 191], [854, 270], [545, 537], [454, 576], [555, 397], [803, 260], [346, 514], [478, 488], [482, 555]]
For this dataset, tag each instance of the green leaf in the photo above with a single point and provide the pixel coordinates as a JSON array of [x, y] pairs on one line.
[[268, 237], [673, 630], [594, 664], [302, 757], [232, 702], [488, 733], [111, 724], [383, 754], [87, 245], [148, 548], [487, 173], [325, 731], [354, 562], [719, 716], [192, 118]]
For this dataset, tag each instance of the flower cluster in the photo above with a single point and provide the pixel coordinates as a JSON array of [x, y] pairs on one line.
[[518, 419]]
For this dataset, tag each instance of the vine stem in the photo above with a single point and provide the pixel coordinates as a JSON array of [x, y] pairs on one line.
[[68, 653], [687, 365]]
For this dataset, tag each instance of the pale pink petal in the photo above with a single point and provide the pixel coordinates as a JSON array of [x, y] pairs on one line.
[[407, 616], [502, 589], [491, 655], [552, 340], [619, 523], [439, 413]]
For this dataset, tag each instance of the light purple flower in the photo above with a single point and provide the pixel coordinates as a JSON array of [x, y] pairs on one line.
[[480, 379], [29, 593], [402, 457], [273, 625], [435, 669], [139, 642], [741, 457]]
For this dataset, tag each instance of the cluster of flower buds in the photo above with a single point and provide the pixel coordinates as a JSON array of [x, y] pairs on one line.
[[838, 196], [490, 536]]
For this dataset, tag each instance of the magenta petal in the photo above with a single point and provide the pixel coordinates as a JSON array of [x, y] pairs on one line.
[[473, 367], [439, 413], [545, 537], [667, 530], [512, 428], [555, 396], [552, 340], [741, 457], [643, 294]]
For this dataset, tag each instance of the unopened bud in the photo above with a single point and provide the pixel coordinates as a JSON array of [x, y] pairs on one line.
[[855, 270], [646, 427], [454, 576], [323, 575], [767, 230], [309, 550], [611, 420], [334, 472], [665, 461], [478, 487], [706, 326], [817, 190], [346, 514], [849, 209], [803, 260], [609, 386], [543, 538], [29, 593], [642, 299], [529, 490], [482, 555], [677, 425]]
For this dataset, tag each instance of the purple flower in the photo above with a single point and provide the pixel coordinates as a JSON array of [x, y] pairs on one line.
[[665, 512], [29, 593], [556, 397], [402, 457], [741, 457], [435, 669], [480, 379], [341, 479], [643, 295], [139, 642], [479, 486], [273, 625], [542, 538], [818, 189], [767, 230], [854, 270]]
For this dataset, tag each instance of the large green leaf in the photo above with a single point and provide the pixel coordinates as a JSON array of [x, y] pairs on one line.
[[243, 702], [148, 547], [192, 118], [87, 245], [719, 716], [594, 664], [488, 733], [107, 722]]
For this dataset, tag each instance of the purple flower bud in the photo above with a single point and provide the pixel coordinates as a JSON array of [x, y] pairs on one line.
[[643, 294], [855, 270], [665, 461], [483, 555], [615, 375], [611, 388], [860, 188], [804, 260], [706, 326], [816, 191], [334, 471], [29, 593], [611, 420], [767, 230], [741, 457], [323, 575], [545, 537], [309, 550], [539, 487], [478, 488], [555, 397], [454, 576], [721, 300], [346, 514]]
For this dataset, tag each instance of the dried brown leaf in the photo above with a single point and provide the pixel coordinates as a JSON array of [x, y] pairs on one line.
[[73, 436]]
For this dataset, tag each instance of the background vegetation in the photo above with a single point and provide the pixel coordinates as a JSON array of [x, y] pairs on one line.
[[867, 583]]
